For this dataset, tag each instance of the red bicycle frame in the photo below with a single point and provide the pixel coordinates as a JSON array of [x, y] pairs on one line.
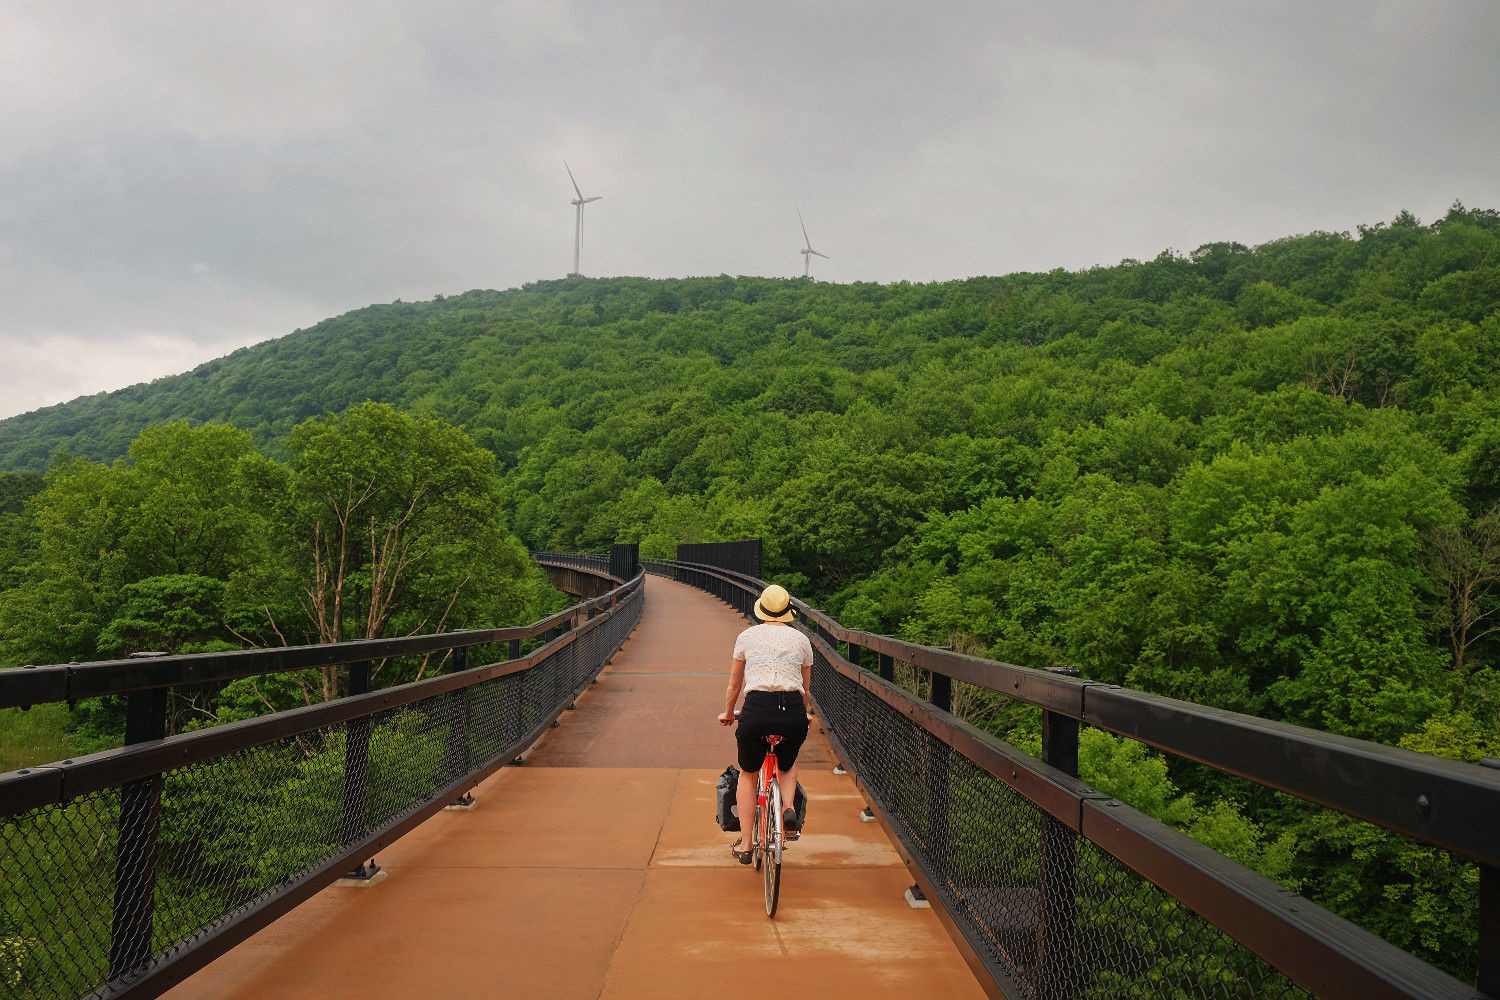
[[768, 769]]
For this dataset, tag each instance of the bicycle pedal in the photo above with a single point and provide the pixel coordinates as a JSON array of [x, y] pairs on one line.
[[793, 835]]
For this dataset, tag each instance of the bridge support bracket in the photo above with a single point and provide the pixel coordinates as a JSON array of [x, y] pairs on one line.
[[915, 899], [464, 802], [366, 874]]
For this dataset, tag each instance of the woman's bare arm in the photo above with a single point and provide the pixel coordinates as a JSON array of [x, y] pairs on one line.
[[732, 694]]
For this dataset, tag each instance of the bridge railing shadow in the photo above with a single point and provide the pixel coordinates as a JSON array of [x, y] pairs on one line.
[[1053, 889], [123, 872]]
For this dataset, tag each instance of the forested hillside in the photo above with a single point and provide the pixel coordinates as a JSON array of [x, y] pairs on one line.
[[1264, 479]]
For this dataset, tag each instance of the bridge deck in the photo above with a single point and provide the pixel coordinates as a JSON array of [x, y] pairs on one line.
[[595, 871]]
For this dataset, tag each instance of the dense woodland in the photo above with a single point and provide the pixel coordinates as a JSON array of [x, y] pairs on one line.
[[1265, 479]]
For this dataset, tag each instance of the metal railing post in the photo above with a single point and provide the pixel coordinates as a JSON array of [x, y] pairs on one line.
[[942, 691], [562, 669], [458, 728], [133, 923], [516, 689], [357, 772], [1489, 920], [1057, 920], [1489, 930], [886, 663], [939, 840]]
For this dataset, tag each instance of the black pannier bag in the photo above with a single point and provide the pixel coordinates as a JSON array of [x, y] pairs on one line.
[[727, 815], [725, 812]]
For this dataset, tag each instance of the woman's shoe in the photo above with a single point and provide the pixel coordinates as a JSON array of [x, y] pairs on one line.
[[743, 857], [789, 824]]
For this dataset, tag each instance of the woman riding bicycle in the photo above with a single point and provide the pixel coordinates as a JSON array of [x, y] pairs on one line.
[[773, 665]]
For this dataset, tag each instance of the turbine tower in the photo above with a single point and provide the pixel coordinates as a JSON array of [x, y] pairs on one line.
[[578, 203], [807, 254]]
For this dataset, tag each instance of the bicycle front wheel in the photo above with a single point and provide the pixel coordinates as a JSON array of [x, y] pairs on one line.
[[774, 841]]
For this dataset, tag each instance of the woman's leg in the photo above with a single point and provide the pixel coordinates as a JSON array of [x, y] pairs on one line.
[[788, 775], [744, 799], [788, 779]]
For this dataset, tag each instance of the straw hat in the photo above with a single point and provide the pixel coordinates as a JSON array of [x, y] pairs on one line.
[[775, 605]]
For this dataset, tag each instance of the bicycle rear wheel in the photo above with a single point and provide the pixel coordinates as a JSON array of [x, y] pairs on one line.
[[774, 842]]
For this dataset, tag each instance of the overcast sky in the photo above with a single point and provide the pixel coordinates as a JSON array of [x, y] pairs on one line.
[[178, 179]]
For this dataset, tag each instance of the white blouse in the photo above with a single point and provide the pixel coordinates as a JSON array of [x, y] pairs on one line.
[[774, 656]]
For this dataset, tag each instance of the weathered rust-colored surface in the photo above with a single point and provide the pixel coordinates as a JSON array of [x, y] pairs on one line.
[[595, 870], [654, 705]]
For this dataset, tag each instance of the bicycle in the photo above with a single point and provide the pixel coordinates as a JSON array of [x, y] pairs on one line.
[[768, 837]]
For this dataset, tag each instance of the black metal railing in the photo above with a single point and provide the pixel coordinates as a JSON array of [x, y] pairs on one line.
[[1055, 890], [621, 562], [740, 557], [125, 871]]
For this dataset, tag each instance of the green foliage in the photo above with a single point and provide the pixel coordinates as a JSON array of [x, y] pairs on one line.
[[1458, 736], [402, 521], [1419, 898], [1138, 777], [1229, 477], [34, 736], [195, 542], [179, 612]]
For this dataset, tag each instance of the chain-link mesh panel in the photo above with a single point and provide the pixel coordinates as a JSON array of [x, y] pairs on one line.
[[56, 896], [1055, 914], [87, 897]]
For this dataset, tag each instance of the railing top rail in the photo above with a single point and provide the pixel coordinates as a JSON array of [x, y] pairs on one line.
[[1448, 803], [69, 682], [63, 780]]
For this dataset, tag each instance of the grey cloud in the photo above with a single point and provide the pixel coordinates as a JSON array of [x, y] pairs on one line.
[[177, 179]]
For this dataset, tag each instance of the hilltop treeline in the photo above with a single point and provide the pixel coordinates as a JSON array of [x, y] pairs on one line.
[[1260, 478]]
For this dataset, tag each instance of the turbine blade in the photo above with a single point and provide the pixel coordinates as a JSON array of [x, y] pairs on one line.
[[823, 255], [570, 177], [804, 229], [594, 198]]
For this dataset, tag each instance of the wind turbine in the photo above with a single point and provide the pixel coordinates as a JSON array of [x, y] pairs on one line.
[[807, 255], [578, 203]]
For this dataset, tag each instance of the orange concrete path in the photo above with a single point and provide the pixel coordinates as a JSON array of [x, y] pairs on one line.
[[596, 871]]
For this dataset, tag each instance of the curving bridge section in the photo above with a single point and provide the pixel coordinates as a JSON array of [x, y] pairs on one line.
[[593, 870]]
